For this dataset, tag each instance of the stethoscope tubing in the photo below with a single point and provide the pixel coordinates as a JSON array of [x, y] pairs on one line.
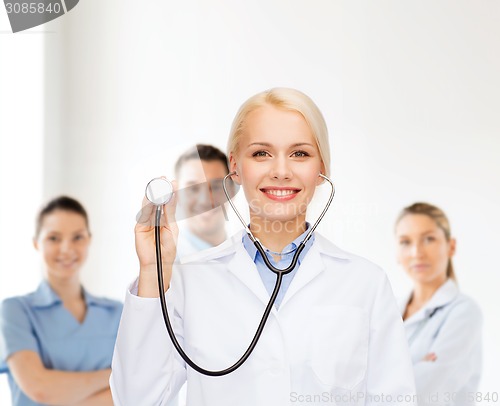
[[279, 277]]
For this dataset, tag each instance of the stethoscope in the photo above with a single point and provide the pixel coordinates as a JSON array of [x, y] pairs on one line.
[[159, 191]]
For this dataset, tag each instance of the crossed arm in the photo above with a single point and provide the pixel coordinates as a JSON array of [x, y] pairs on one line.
[[447, 367], [57, 387]]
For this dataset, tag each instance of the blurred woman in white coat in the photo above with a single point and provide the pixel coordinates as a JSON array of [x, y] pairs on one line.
[[334, 336], [443, 326]]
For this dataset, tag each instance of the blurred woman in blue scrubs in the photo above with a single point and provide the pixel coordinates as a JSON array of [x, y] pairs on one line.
[[56, 343], [443, 325]]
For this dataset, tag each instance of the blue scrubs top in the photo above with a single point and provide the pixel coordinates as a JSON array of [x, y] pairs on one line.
[[39, 322]]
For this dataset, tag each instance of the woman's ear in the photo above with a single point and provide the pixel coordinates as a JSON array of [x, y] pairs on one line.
[[322, 172], [453, 247], [35, 243], [233, 167]]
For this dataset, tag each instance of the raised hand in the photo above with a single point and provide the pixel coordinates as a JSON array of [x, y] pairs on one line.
[[146, 248]]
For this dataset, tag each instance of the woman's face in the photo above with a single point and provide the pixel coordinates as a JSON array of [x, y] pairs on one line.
[[423, 250], [278, 164], [63, 243]]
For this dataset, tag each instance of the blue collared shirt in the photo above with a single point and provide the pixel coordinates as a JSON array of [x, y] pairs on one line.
[[39, 322], [269, 277]]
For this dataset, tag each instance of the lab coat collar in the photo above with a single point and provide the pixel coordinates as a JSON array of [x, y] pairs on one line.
[[242, 266], [229, 247], [238, 261], [313, 264], [326, 247], [446, 293]]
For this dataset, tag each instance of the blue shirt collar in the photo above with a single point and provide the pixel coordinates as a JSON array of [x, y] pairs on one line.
[[196, 241], [45, 296], [252, 249]]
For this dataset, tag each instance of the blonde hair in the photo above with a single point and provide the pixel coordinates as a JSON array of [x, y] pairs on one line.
[[287, 99], [436, 214]]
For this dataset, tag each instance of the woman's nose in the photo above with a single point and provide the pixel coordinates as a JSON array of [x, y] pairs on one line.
[[66, 246], [417, 250], [281, 168]]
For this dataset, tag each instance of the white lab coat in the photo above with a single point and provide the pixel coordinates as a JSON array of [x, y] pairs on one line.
[[453, 333], [187, 245], [337, 337]]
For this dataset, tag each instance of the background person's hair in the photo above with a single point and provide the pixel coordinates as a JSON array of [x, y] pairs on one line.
[[436, 214], [64, 203], [286, 99], [203, 152]]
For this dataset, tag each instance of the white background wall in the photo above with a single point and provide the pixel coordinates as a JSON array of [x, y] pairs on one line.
[[410, 91], [21, 160]]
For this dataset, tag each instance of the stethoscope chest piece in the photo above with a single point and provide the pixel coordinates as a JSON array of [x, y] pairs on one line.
[[159, 191]]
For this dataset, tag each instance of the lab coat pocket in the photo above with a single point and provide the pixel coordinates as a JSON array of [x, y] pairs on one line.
[[340, 345]]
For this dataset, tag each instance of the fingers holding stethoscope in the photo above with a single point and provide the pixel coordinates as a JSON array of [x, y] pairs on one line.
[[145, 241]]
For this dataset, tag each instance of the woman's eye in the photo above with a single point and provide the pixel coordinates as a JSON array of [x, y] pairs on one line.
[[259, 154], [404, 242], [52, 238], [300, 154], [429, 239], [78, 237]]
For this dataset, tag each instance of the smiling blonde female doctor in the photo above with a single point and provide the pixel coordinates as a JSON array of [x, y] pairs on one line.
[[335, 335]]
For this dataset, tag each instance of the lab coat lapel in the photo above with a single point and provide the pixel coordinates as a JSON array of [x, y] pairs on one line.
[[416, 317], [243, 268], [444, 295], [311, 266]]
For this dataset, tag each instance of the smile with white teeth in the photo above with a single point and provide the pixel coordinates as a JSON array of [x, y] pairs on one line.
[[281, 192]]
